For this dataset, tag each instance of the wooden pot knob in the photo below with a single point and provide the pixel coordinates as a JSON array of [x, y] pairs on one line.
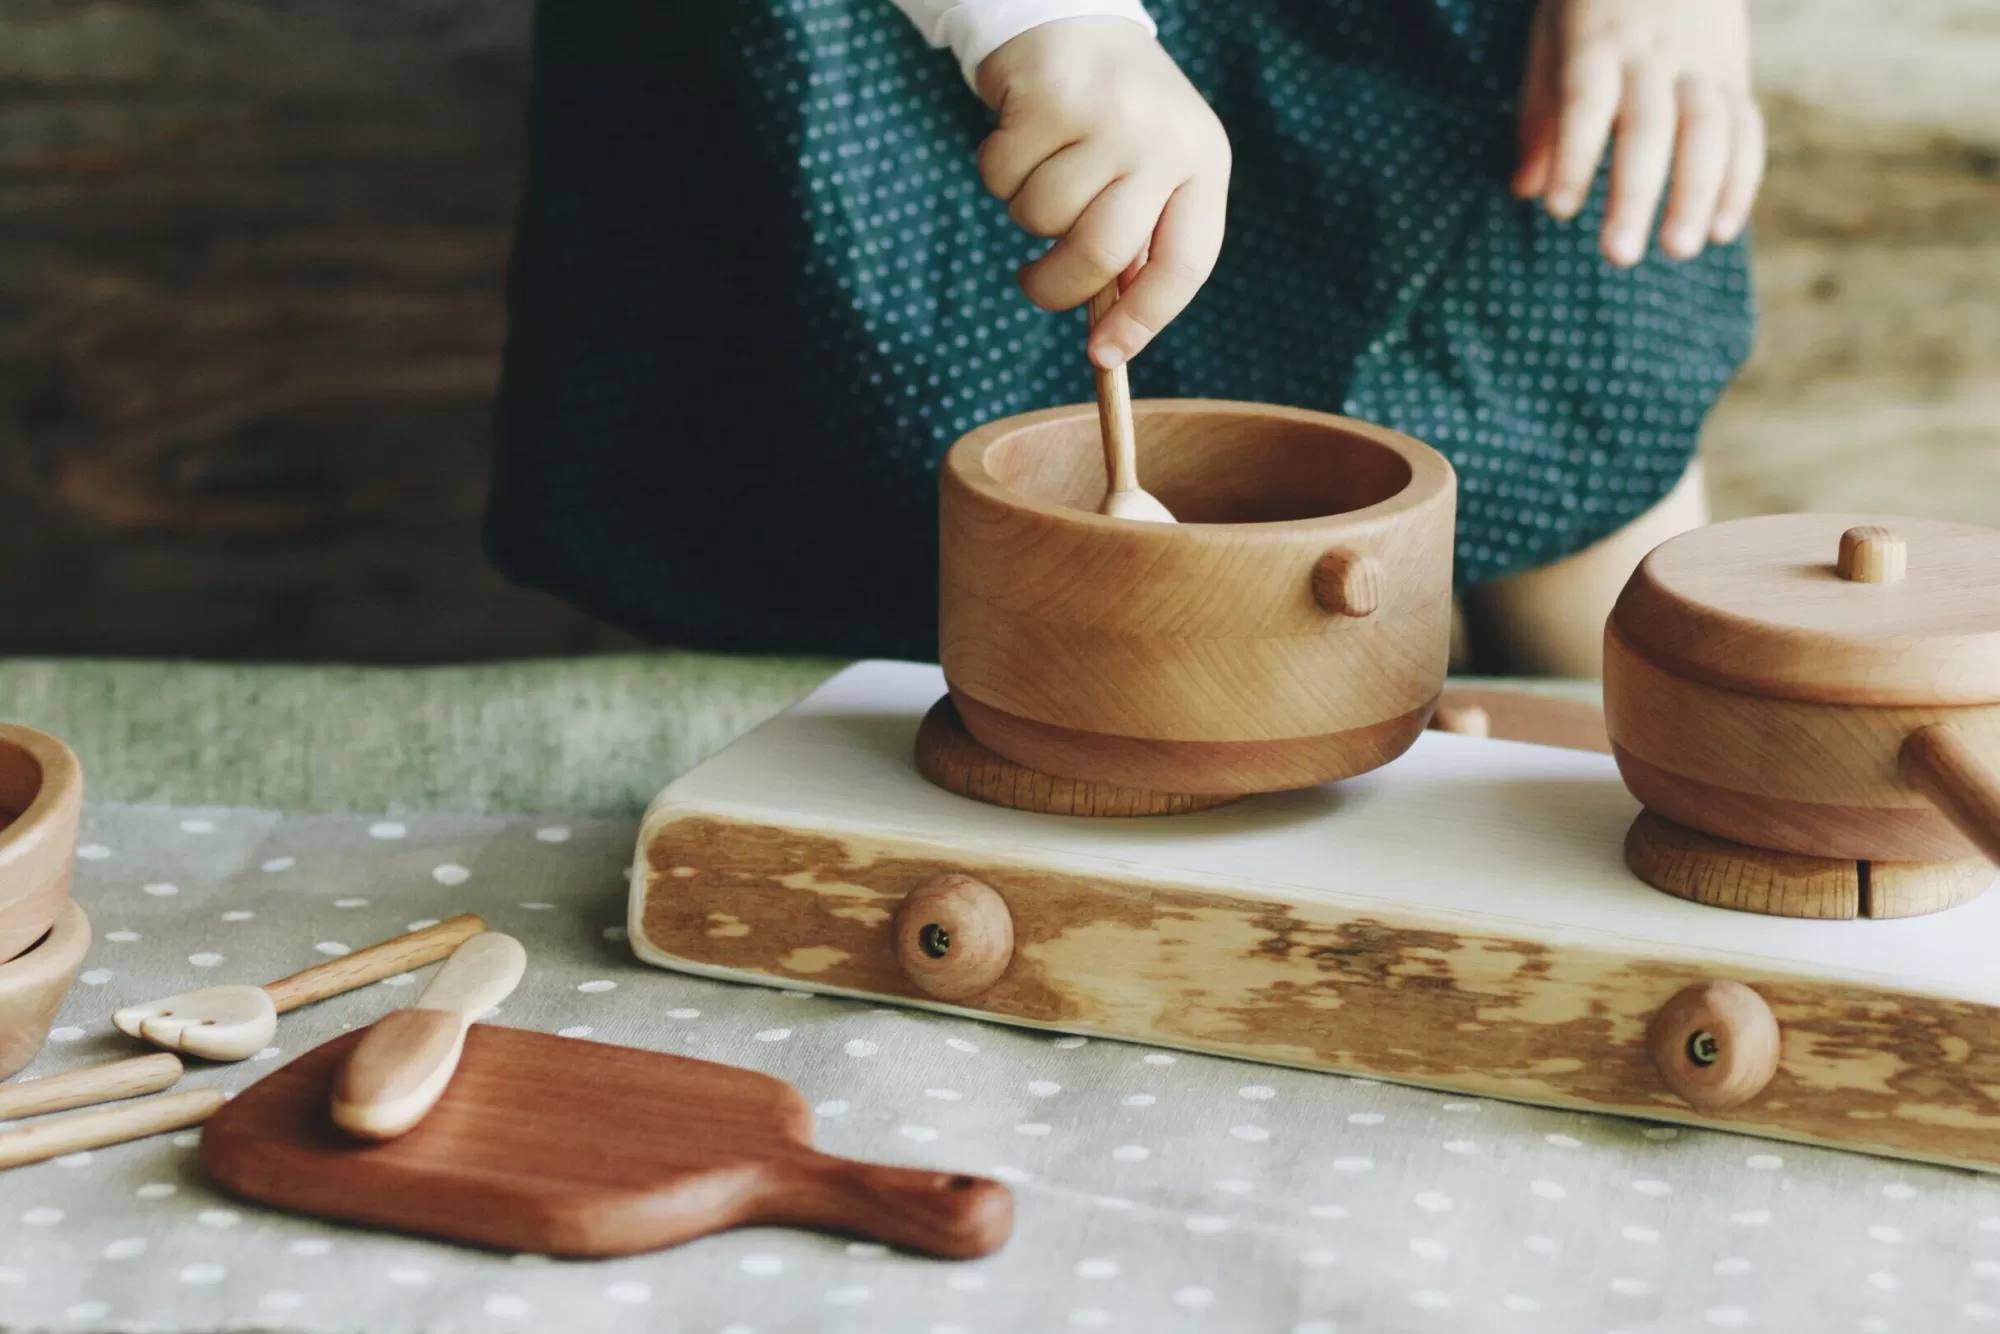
[[954, 936], [1715, 1045], [1872, 554], [1347, 583]]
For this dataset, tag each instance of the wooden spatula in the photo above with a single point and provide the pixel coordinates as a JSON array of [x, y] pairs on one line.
[[558, 1146], [406, 1058]]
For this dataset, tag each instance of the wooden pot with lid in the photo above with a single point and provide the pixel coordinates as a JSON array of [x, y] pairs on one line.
[[1821, 686], [1293, 628]]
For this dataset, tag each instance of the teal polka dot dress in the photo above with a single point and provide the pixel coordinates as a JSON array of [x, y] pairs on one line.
[[758, 290]]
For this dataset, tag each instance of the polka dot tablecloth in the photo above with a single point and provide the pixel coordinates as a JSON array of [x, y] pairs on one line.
[[1158, 1191]]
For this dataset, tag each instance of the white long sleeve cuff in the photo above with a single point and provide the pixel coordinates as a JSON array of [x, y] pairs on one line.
[[975, 29]]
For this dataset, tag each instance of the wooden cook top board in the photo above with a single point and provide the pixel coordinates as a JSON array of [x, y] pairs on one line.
[[1461, 919]]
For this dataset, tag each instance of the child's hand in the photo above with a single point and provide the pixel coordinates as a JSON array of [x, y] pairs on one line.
[[1674, 76], [1104, 144]]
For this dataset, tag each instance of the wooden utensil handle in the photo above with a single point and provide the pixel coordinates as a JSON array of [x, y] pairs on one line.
[[1114, 407], [362, 967], [89, 1086], [101, 1126], [950, 1214], [1946, 766]]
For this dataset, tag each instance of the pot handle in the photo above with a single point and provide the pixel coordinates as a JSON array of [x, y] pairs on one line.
[[1348, 583], [1943, 763]]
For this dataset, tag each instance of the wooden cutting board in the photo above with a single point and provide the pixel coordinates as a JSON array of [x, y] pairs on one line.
[[557, 1146], [1461, 918]]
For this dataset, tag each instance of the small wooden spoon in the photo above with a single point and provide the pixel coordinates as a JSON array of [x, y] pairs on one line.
[[405, 1060], [234, 1023], [1114, 418]]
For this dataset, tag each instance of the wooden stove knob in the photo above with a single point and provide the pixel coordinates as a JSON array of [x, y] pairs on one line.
[[1872, 554], [1347, 583], [954, 936], [1715, 1045]]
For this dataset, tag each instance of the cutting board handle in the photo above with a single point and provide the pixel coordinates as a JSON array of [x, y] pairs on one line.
[[948, 1214], [1945, 764]]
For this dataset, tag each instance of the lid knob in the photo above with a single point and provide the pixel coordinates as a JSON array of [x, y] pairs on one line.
[[1872, 555]]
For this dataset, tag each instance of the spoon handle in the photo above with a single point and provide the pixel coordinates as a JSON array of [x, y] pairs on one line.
[[113, 1081], [339, 976], [1114, 407], [101, 1127]]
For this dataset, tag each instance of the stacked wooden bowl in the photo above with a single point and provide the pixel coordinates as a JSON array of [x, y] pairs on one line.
[[43, 934]]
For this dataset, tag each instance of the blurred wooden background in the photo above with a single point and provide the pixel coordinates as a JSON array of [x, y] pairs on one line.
[[252, 255]]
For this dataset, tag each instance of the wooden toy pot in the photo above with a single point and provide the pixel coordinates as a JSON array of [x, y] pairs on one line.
[[1291, 629], [1822, 686], [41, 799]]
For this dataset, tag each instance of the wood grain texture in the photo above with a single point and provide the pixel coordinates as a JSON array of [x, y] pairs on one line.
[[1822, 779], [41, 788], [1207, 631], [336, 977], [99, 1127], [1693, 865], [252, 263], [34, 984], [1759, 606], [1715, 1045], [1213, 768], [1380, 990], [558, 1146], [1958, 768], [110, 1082], [951, 757]]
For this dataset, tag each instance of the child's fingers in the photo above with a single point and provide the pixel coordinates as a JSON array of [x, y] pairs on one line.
[[1590, 87], [1009, 155], [1701, 160], [1638, 164], [1184, 249], [1746, 170], [1109, 235], [1058, 191], [1537, 126]]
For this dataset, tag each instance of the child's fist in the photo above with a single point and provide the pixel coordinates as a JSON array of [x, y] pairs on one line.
[[1105, 145], [1673, 77]]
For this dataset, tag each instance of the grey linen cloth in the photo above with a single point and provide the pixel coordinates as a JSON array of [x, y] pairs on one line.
[[1157, 1191]]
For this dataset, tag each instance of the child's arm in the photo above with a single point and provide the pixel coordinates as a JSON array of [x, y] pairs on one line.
[[1673, 78], [1103, 145]]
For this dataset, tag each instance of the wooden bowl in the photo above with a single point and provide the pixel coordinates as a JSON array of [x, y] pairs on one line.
[[32, 987], [1820, 684], [41, 798], [1292, 629]]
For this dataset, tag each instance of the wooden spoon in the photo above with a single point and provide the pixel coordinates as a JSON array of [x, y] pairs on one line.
[[1114, 418], [400, 1069], [234, 1023]]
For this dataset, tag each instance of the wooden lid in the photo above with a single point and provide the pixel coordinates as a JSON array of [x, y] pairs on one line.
[[1837, 608]]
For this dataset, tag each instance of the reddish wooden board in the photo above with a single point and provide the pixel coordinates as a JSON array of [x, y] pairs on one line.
[[564, 1147]]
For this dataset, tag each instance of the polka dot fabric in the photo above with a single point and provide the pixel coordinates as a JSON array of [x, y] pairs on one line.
[[1159, 1192], [759, 291]]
